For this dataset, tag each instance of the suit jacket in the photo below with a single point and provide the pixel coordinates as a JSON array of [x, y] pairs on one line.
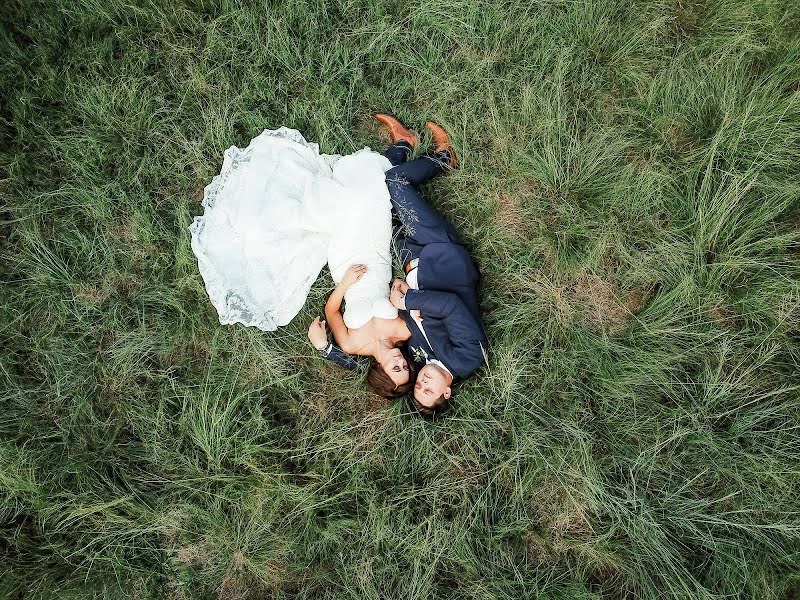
[[335, 354], [447, 300]]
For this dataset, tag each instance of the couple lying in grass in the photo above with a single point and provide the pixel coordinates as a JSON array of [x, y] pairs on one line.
[[279, 211], [437, 337]]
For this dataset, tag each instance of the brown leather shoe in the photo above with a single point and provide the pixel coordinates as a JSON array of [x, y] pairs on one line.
[[397, 131], [442, 141]]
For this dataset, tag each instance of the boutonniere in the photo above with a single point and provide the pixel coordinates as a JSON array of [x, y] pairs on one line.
[[418, 354]]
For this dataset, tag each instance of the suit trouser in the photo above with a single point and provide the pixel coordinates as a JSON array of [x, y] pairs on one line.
[[418, 223]]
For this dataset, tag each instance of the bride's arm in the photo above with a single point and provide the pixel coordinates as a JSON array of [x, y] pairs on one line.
[[318, 336], [332, 308]]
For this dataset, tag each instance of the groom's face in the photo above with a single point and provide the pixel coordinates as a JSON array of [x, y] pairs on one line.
[[431, 385], [396, 367]]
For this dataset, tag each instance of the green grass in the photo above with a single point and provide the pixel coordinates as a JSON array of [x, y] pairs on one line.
[[630, 187]]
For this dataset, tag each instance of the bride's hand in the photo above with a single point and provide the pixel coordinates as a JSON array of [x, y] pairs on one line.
[[317, 334], [353, 274]]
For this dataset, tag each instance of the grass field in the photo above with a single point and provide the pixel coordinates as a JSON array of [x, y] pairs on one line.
[[630, 187]]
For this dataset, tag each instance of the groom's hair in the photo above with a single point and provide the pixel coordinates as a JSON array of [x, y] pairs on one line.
[[438, 407], [380, 382]]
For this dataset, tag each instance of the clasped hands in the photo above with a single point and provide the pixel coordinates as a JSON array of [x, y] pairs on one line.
[[397, 295]]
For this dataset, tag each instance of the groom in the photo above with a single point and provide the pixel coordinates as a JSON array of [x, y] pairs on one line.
[[438, 299]]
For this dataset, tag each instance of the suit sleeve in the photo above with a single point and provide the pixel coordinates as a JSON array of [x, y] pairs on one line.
[[335, 354], [465, 333]]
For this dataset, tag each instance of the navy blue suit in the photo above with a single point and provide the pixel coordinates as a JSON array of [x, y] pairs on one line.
[[335, 354], [447, 276]]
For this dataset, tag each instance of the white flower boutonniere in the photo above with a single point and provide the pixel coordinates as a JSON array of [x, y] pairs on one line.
[[418, 353]]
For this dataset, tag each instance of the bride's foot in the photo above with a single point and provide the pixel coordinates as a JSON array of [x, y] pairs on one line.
[[397, 131], [442, 142]]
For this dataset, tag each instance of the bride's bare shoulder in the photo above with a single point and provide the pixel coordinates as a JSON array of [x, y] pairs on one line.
[[360, 340]]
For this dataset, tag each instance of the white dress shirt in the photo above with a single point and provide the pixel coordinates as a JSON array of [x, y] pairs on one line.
[[412, 279]]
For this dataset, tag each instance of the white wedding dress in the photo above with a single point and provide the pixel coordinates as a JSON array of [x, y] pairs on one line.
[[276, 213]]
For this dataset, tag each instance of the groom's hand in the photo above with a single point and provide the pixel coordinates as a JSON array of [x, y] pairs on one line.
[[397, 296], [317, 334]]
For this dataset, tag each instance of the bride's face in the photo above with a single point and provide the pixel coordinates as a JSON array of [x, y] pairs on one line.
[[396, 366]]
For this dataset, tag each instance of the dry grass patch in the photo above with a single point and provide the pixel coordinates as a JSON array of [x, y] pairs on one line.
[[197, 556], [510, 218], [374, 427], [556, 294], [337, 392], [565, 512], [251, 580], [199, 192], [237, 583], [604, 308], [586, 296], [563, 520], [608, 581], [724, 315]]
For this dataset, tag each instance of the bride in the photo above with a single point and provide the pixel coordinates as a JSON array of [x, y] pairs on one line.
[[276, 213], [392, 373]]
